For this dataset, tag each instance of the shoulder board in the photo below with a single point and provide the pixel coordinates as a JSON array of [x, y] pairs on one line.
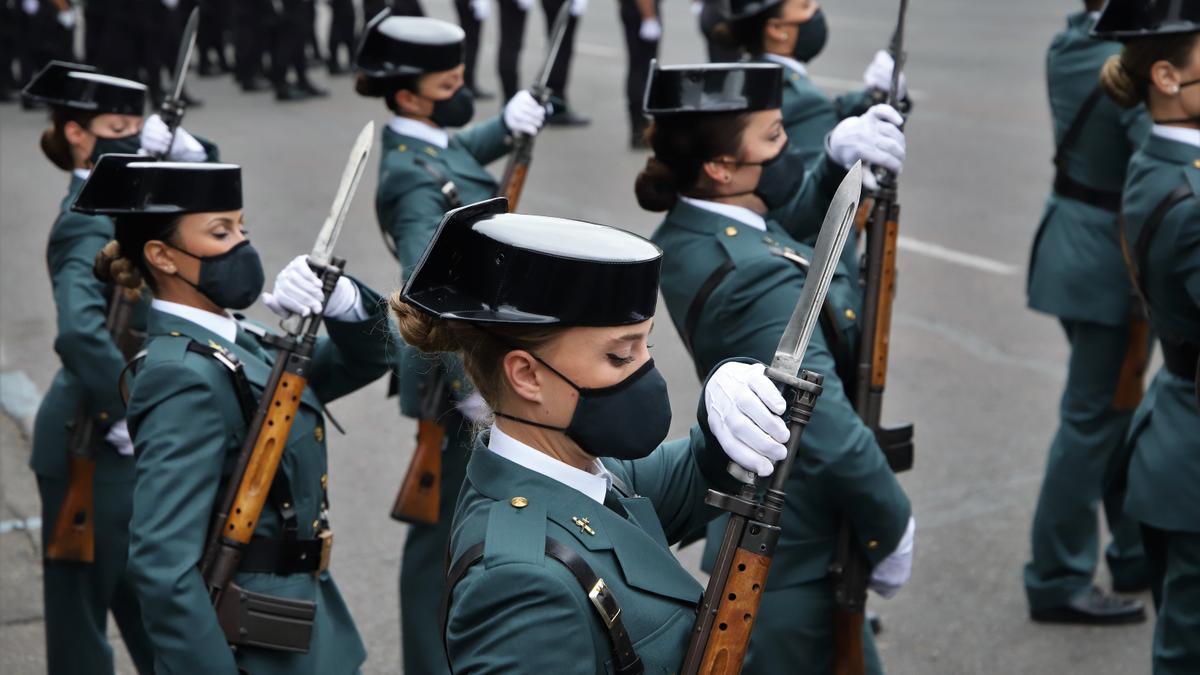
[[1193, 177], [166, 348], [742, 243], [516, 532]]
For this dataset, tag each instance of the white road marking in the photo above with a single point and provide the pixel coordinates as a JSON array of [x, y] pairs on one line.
[[33, 523], [939, 252]]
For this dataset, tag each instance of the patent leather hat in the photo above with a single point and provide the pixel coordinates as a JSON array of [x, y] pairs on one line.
[[1131, 19], [129, 184], [81, 87], [713, 88], [746, 9], [402, 46], [488, 266]]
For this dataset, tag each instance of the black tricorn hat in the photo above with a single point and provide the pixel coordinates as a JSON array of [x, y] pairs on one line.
[[713, 88], [127, 184], [400, 46], [81, 87], [1130, 19], [745, 9], [489, 266]]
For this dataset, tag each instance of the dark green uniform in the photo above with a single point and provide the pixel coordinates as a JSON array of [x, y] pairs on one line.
[[77, 598], [843, 470], [410, 203], [1076, 273], [518, 610], [809, 114], [1164, 469], [188, 428]]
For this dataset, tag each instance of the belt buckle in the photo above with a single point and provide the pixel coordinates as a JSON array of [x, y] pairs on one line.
[[325, 536], [598, 595]]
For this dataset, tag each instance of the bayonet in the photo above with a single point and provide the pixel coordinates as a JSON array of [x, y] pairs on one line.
[[172, 108]]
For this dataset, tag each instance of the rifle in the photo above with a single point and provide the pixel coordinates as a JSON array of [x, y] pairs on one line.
[[74, 536], [513, 181], [419, 498], [173, 106], [850, 571], [254, 618], [729, 606]]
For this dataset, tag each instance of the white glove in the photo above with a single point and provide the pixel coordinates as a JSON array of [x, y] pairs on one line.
[[744, 409], [696, 7], [118, 437], [29, 6], [298, 291], [893, 571], [878, 74], [482, 9], [650, 30], [578, 7], [156, 138], [66, 18], [524, 5], [874, 137], [473, 407], [170, 4], [523, 114]]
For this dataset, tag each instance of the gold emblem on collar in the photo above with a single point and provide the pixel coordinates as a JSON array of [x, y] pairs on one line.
[[220, 348], [430, 151], [319, 433], [583, 524]]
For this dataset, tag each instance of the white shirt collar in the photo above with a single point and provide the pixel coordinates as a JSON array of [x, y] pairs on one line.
[[1189, 136], [739, 213], [593, 484], [82, 173], [787, 62], [421, 131], [223, 326]]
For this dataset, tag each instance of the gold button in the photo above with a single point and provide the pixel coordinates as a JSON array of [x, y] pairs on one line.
[[103, 416], [456, 385], [731, 231], [1196, 164], [851, 315], [872, 544], [319, 433], [316, 524], [519, 502], [324, 481], [175, 333], [402, 147]]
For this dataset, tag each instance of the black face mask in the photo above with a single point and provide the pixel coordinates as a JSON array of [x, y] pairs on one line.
[[625, 421], [455, 111], [1183, 120], [780, 180], [233, 279], [125, 145], [811, 37]]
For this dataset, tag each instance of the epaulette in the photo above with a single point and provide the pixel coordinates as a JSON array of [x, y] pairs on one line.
[[1193, 176], [516, 532]]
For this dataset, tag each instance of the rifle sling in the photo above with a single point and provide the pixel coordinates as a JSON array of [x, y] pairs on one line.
[[625, 658], [1068, 187], [446, 186]]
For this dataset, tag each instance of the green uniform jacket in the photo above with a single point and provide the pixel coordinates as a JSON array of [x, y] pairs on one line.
[[410, 204], [518, 611], [1165, 467], [1076, 270], [91, 360], [809, 114], [188, 429], [842, 469]]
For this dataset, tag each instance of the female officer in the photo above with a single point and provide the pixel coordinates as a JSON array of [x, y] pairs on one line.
[[561, 535], [91, 114], [792, 33], [1076, 274], [1160, 66], [415, 65], [729, 274], [180, 230]]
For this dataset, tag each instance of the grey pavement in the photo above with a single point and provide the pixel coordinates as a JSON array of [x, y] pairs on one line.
[[977, 372]]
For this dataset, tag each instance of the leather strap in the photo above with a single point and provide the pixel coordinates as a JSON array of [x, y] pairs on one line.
[[1149, 229], [625, 658], [447, 187], [1181, 359], [281, 556], [1063, 183], [706, 289]]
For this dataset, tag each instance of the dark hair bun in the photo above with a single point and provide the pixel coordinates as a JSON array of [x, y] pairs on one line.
[[114, 269], [656, 187]]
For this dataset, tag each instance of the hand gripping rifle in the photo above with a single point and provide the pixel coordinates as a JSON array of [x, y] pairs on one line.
[[850, 571], [172, 108], [266, 439], [73, 538], [730, 604], [513, 182]]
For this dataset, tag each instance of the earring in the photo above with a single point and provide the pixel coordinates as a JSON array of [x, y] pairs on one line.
[[1175, 90], [786, 36]]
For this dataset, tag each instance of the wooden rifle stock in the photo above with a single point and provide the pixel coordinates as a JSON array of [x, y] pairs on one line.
[[515, 184], [419, 498], [725, 619], [512, 183], [73, 538], [848, 643]]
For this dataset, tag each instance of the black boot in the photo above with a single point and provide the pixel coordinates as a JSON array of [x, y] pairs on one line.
[[1093, 607]]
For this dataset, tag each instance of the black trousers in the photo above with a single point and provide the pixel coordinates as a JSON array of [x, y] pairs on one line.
[[640, 53], [95, 13], [40, 39], [512, 37], [398, 7], [472, 27], [341, 29], [8, 48], [710, 15], [214, 22], [251, 37], [291, 33]]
